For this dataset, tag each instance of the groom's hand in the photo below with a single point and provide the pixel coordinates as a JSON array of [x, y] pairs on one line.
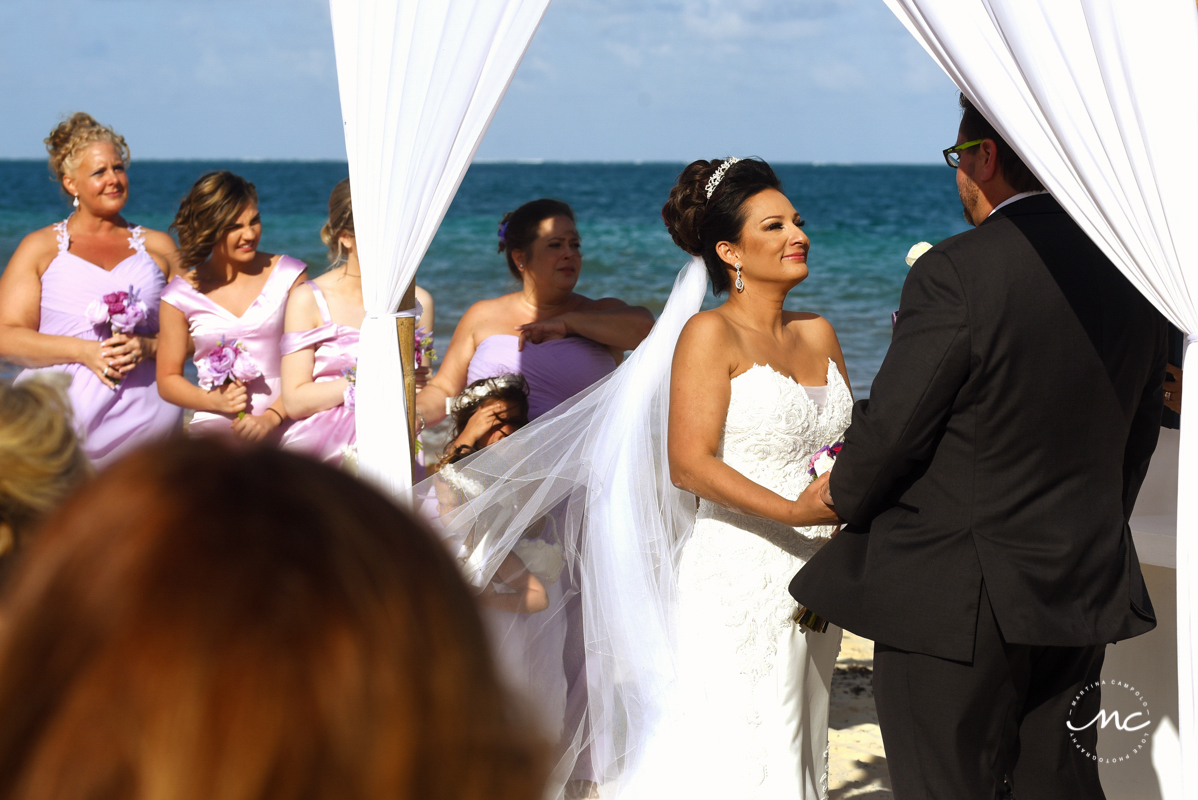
[[811, 507]]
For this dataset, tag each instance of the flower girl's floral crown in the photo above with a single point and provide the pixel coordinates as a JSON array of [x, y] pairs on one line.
[[474, 395], [718, 175]]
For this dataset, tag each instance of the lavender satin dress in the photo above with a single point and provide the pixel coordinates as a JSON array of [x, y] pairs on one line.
[[556, 370], [109, 423], [260, 328], [326, 435]]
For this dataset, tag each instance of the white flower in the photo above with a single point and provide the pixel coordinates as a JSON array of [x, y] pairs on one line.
[[916, 251], [823, 462], [96, 312]]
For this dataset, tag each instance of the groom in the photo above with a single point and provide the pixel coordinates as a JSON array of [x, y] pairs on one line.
[[987, 484]]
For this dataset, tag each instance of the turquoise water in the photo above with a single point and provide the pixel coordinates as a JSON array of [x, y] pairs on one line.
[[861, 220]]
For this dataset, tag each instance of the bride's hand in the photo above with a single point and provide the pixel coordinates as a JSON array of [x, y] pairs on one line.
[[813, 506]]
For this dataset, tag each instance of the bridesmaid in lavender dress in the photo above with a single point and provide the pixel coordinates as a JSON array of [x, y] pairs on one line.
[[561, 342], [320, 345], [234, 294], [58, 271]]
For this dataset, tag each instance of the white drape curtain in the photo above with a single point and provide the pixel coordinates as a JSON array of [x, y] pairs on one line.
[[1099, 98], [420, 81]]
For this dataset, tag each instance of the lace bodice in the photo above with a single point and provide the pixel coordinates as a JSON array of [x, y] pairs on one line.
[[770, 434]]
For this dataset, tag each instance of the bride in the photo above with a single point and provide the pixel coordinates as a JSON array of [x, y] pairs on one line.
[[698, 681]]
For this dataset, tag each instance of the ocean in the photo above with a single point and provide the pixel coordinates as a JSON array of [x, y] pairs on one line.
[[861, 221]]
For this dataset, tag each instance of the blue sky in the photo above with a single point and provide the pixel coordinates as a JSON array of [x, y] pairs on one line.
[[604, 80]]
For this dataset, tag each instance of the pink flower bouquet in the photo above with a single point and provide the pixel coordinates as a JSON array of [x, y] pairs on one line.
[[823, 459], [121, 311], [227, 361]]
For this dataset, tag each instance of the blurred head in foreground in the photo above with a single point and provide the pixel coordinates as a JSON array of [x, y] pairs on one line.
[[219, 624], [40, 458]]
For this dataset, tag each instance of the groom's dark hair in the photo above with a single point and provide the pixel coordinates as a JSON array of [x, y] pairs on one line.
[[1016, 173], [698, 223]]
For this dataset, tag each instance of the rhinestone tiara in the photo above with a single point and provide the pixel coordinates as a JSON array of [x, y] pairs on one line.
[[477, 394], [718, 175]]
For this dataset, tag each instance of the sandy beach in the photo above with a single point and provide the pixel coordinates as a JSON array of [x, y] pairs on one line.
[[856, 759]]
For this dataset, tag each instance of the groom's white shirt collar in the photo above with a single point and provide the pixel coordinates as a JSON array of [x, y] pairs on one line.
[[1014, 198]]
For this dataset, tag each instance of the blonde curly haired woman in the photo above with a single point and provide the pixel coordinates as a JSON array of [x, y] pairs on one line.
[[81, 296]]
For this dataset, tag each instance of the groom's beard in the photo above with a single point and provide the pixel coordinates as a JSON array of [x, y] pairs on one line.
[[968, 191]]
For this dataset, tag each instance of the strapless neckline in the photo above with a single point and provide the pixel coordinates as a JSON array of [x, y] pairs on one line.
[[807, 392]]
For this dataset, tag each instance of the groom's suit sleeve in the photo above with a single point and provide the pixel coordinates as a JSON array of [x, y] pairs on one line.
[[1145, 425], [895, 431]]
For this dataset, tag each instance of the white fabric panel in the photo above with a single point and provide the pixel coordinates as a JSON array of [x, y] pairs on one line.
[[420, 82], [1098, 97]]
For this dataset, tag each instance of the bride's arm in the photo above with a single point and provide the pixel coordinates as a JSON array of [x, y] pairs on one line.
[[700, 389]]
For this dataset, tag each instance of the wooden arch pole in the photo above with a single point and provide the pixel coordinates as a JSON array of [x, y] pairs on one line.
[[405, 328]]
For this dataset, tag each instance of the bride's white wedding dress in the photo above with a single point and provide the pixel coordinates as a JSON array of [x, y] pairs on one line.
[[750, 715], [697, 682]]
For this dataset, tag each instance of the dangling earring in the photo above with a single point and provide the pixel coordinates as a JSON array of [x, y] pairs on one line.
[[76, 203], [740, 284]]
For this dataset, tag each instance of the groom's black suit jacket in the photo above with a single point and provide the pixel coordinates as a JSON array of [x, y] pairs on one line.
[[1005, 439]]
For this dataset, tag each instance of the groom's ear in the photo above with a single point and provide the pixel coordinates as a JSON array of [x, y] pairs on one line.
[[726, 253], [986, 166]]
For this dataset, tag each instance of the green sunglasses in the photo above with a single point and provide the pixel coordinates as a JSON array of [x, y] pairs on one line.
[[952, 155]]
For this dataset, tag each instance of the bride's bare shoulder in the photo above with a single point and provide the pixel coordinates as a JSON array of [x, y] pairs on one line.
[[706, 327], [809, 325]]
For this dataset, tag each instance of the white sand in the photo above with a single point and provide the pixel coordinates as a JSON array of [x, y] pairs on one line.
[[856, 759]]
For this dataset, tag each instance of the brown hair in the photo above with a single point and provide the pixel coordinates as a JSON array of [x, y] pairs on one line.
[[1016, 173], [341, 220], [510, 388], [41, 459], [212, 623], [518, 229], [698, 223], [73, 134], [209, 209]]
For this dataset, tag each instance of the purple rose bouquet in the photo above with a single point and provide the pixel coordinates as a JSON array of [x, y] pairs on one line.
[[225, 362], [122, 312], [424, 348]]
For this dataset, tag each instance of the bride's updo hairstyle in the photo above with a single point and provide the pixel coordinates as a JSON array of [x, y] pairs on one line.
[[518, 229], [210, 208], [697, 224], [67, 141]]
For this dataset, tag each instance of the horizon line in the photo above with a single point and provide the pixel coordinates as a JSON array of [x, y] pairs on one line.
[[531, 162]]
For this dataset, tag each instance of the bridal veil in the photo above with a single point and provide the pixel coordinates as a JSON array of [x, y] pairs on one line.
[[583, 495]]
